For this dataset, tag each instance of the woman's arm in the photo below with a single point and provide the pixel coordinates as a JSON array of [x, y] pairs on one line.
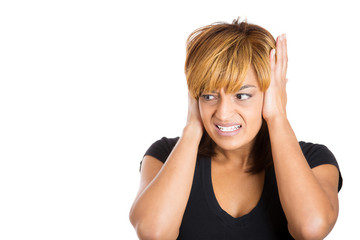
[[308, 197], [164, 191]]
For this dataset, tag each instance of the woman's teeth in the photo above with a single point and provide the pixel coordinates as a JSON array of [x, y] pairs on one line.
[[228, 129]]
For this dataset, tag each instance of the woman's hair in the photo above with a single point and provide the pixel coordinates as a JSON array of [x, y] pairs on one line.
[[219, 56]]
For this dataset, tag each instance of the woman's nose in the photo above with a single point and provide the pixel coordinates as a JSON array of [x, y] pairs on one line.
[[225, 109]]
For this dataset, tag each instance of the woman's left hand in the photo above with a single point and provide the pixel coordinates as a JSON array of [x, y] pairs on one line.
[[275, 96]]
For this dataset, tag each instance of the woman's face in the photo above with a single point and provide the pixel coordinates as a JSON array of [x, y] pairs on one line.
[[233, 120]]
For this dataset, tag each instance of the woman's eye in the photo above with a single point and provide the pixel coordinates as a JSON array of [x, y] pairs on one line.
[[208, 97], [243, 96]]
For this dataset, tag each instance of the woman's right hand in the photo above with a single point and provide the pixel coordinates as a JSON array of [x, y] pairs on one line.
[[194, 119], [164, 191]]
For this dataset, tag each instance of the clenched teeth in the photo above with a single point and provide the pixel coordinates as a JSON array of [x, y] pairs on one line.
[[228, 129]]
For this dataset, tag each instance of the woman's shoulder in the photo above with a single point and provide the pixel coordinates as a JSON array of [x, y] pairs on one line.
[[318, 154], [162, 148], [309, 145]]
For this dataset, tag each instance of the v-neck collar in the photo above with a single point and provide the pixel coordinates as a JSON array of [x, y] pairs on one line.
[[215, 207]]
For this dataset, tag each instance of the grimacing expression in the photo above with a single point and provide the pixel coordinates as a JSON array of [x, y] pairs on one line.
[[232, 120]]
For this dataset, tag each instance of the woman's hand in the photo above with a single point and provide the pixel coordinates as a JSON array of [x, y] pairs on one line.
[[194, 118], [164, 191], [275, 96]]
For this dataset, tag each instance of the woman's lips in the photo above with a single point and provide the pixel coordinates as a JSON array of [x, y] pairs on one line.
[[227, 130]]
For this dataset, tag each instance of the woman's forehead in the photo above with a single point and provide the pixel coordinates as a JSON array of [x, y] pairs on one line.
[[251, 77], [243, 87]]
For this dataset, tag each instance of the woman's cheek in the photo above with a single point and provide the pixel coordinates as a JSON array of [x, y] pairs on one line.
[[204, 114]]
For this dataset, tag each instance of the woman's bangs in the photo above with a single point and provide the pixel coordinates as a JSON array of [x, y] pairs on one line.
[[228, 70]]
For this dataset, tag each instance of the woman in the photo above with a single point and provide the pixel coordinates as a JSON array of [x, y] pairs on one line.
[[237, 171]]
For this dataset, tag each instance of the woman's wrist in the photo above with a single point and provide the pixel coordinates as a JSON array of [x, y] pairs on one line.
[[193, 131], [276, 119], [278, 126]]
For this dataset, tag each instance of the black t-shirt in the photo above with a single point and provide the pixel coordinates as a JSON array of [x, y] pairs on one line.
[[205, 219]]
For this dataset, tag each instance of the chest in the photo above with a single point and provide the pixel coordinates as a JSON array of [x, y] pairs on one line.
[[237, 192], [205, 219]]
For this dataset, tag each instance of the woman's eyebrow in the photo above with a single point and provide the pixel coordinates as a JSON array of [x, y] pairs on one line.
[[247, 86]]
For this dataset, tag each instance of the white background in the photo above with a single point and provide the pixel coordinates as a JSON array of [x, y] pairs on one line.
[[87, 86]]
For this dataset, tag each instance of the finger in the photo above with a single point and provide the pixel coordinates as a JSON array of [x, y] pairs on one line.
[[279, 56], [278, 49], [273, 58], [284, 56], [272, 63]]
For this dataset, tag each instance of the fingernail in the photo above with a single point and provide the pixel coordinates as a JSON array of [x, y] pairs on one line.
[[285, 36]]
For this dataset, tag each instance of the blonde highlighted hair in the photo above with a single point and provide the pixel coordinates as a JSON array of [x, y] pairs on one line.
[[219, 56]]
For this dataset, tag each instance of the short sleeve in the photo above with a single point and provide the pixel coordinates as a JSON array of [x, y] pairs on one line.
[[161, 149], [317, 154]]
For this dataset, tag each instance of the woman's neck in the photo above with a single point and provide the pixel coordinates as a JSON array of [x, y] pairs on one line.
[[235, 159]]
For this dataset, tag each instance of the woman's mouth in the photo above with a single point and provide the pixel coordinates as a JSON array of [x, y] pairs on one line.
[[228, 130]]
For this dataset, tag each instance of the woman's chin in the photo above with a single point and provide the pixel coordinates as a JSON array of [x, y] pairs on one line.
[[232, 144]]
